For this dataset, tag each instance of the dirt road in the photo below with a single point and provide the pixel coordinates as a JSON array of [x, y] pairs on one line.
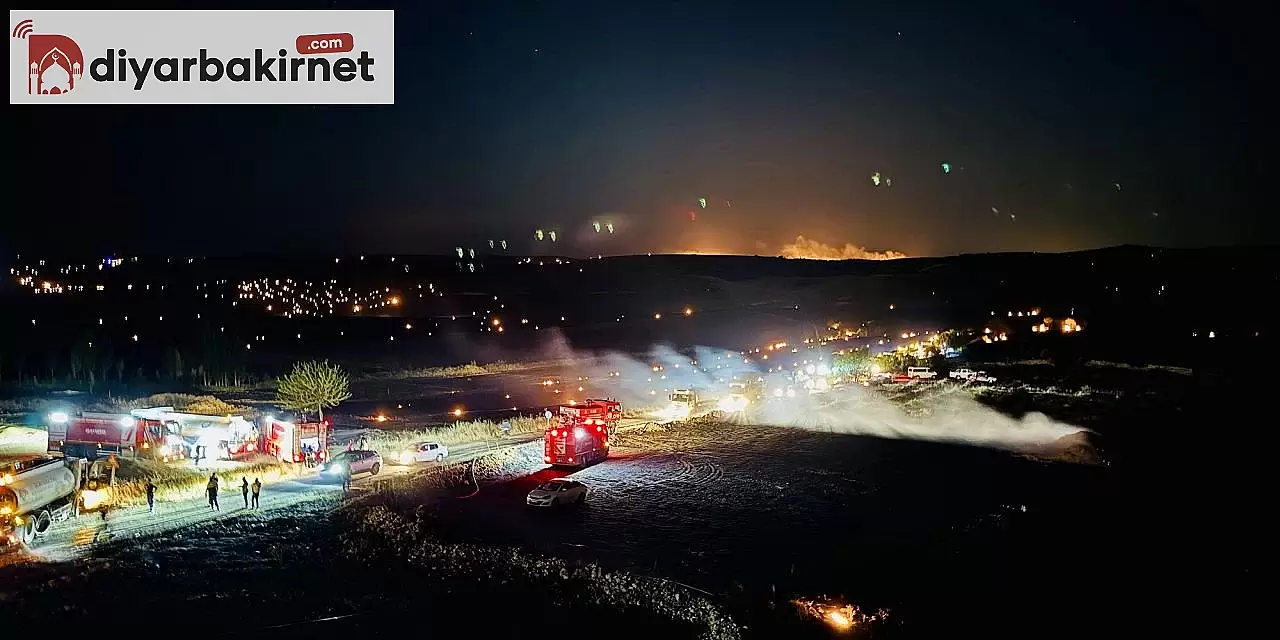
[[77, 537]]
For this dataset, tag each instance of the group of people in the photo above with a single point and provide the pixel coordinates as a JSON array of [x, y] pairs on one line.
[[251, 491], [311, 455], [246, 489]]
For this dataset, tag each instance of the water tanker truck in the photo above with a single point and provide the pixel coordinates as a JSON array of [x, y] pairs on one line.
[[37, 492], [93, 435]]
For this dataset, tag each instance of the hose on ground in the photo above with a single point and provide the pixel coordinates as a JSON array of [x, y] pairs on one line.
[[470, 474]]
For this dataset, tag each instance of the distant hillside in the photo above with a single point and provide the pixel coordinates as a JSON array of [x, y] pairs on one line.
[[159, 318]]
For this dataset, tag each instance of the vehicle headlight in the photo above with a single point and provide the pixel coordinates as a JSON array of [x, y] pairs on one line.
[[733, 404], [93, 498]]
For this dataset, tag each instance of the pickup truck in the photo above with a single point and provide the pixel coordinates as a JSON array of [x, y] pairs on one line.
[[971, 375]]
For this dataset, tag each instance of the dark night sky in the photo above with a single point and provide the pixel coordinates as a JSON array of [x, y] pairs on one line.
[[516, 115]]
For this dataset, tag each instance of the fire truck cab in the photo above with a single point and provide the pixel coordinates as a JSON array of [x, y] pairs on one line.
[[580, 434]]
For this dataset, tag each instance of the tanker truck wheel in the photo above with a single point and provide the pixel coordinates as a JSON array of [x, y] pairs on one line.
[[43, 522], [27, 533]]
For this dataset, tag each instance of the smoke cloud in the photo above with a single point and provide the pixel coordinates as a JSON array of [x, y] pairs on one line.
[[938, 413], [804, 248], [949, 415]]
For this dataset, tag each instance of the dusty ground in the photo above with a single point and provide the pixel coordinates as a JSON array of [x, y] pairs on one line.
[[686, 526]]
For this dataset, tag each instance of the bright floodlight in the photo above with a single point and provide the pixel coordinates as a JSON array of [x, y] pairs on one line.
[[127, 421], [58, 417]]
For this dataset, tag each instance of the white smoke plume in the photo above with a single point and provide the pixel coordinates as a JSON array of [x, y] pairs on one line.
[[645, 380], [804, 248], [940, 412], [950, 415]]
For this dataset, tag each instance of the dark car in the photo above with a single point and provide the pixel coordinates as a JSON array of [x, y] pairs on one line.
[[357, 461]]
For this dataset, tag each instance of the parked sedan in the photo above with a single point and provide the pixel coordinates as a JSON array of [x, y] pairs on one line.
[[423, 452], [557, 492], [356, 461]]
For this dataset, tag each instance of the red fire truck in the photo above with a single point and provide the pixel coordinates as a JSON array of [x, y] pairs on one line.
[[580, 433], [288, 441], [91, 435]]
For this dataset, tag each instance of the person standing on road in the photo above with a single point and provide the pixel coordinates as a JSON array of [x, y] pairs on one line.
[[257, 487], [346, 478], [151, 497], [363, 444], [101, 534], [244, 490], [212, 488]]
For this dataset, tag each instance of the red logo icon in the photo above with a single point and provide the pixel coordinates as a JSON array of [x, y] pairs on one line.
[[56, 63]]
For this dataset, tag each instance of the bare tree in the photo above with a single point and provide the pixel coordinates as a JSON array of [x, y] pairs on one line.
[[313, 386]]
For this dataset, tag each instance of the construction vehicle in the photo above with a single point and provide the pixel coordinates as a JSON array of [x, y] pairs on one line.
[[36, 492], [93, 435], [580, 433], [684, 402], [743, 395], [289, 441]]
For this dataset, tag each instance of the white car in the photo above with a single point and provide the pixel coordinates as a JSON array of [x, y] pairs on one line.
[[983, 376], [963, 374], [423, 452], [557, 492], [923, 373]]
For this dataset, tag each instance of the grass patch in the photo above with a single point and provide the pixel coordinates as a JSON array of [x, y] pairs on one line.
[[184, 402], [385, 536], [173, 484], [640, 412], [464, 370], [388, 442]]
